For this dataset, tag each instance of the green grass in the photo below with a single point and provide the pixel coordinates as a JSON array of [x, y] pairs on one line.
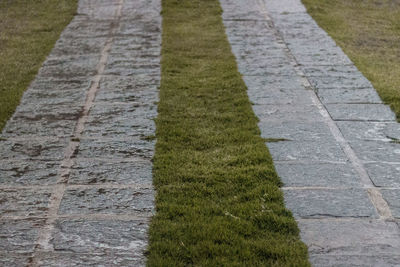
[[218, 199], [369, 33], [28, 31]]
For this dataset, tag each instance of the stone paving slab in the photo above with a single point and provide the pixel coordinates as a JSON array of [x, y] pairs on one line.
[[339, 175], [75, 158], [306, 203], [340, 161]]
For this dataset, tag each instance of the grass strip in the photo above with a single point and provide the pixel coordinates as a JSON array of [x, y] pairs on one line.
[[28, 31], [369, 33], [218, 199]]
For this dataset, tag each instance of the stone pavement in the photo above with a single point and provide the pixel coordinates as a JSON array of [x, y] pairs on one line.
[[340, 163], [75, 159]]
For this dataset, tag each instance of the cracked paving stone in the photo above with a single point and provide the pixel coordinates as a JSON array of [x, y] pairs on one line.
[[16, 259], [320, 203], [80, 236], [19, 236], [29, 172], [107, 201], [24, 202], [88, 171], [317, 174]]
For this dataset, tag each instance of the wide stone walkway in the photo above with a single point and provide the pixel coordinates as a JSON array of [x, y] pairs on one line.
[[340, 163], [75, 159]]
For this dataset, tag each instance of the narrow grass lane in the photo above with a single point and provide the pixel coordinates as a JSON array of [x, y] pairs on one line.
[[218, 199], [28, 31], [369, 33]]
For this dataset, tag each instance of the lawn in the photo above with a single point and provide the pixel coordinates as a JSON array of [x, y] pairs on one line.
[[369, 33], [218, 198], [28, 31]]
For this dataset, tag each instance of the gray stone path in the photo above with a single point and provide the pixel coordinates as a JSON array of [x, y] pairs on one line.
[[341, 163], [75, 159]]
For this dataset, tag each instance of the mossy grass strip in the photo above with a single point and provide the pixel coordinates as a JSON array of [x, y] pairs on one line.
[[28, 31], [369, 33], [218, 199]]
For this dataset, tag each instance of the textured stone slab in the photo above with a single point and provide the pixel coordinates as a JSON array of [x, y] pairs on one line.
[[280, 96], [317, 174], [69, 67], [91, 259], [326, 150], [320, 203], [16, 259], [296, 130], [351, 237], [111, 237], [285, 6], [240, 10], [24, 202], [51, 149], [342, 96], [79, 46], [306, 113], [29, 172], [110, 148], [392, 197], [384, 174], [376, 151], [361, 130], [106, 201], [19, 236], [354, 260], [362, 112], [46, 127], [258, 85], [89, 171], [135, 119]]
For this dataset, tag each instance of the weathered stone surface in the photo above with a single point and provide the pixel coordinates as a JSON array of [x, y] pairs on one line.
[[42, 126], [392, 198], [361, 112], [134, 148], [16, 259], [89, 171], [269, 113], [362, 130], [376, 151], [134, 119], [91, 259], [296, 130], [326, 150], [41, 149], [29, 172], [320, 203], [106, 201], [351, 237], [354, 260], [19, 236], [258, 85], [111, 237], [24, 202], [343, 96], [384, 174], [317, 174]]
